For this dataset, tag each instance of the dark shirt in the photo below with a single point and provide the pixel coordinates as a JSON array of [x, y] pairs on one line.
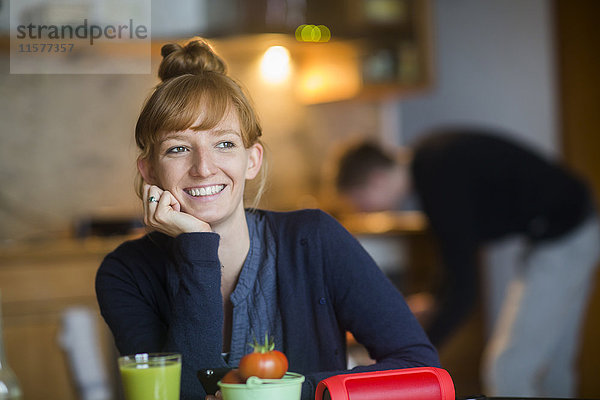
[[163, 294], [476, 188]]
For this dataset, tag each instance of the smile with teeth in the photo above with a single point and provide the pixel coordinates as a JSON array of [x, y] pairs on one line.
[[205, 191]]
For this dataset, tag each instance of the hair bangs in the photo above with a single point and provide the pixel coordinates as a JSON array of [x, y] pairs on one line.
[[213, 105], [176, 105]]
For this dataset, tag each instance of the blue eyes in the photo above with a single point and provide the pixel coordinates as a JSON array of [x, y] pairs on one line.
[[226, 145], [177, 149], [182, 149]]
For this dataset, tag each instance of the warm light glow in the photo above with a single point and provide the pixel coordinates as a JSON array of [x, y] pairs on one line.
[[275, 65], [328, 72], [327, 81]]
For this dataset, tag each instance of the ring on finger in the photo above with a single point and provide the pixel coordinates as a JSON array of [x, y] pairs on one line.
[[152, 199]]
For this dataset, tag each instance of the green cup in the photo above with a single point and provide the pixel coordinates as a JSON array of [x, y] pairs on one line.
[[287, 388], [151, 376]]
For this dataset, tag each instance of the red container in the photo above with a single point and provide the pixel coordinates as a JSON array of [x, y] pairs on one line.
[[426, 383]]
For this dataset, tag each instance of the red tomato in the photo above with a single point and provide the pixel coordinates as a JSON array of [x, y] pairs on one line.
[[233, 376], [269, 364]]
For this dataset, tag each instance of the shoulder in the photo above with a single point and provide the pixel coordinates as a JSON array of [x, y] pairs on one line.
[[311, 230], [460, 144], [452, 158], [445, 148], [141, 252], [152, 242]]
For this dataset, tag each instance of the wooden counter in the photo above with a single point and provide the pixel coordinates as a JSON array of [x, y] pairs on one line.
[[385, 222], [39, 281]]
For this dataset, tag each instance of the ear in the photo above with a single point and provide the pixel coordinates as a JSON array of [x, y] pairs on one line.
[[146, 170], [255, 157]]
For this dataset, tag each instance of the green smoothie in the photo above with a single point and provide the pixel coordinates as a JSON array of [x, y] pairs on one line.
[[151, 380]]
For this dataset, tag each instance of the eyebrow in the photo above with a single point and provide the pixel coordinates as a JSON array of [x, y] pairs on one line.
[[219, 132], [169, 136], [223, 132]]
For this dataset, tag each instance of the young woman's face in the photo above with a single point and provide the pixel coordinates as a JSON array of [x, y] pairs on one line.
[[206, 170]]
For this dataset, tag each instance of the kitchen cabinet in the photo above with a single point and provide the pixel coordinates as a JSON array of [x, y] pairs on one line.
[[387, 43], [394, 41]]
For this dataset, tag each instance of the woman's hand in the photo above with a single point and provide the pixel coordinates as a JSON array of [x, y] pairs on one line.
[[164, 213], [217, 396]]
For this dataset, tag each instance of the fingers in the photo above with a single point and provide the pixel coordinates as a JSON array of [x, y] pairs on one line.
[[158, 205], [155, 193], [217, 396], [162, 211]]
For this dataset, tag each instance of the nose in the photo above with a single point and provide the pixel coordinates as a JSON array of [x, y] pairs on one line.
[[203, 163]]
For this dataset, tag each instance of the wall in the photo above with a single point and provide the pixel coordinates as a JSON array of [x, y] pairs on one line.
[[494, 66], [66, 149]]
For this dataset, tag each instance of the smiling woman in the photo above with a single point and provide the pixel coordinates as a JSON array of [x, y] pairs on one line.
[[212, 275], [205, 170], [196, 99]]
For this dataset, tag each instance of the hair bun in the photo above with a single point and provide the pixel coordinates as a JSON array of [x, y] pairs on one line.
[[196, 57], [169, 48]]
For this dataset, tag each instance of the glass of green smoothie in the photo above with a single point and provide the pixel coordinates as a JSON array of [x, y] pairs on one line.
[[151, 376]]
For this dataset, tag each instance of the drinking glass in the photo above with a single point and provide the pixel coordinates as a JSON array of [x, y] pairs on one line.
[[151, 376]]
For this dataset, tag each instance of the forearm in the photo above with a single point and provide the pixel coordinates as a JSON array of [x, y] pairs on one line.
[[195, 328], [194, 281]]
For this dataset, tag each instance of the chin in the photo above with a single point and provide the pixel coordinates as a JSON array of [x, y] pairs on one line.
[[212, 217], [213, 212], [209, 217]]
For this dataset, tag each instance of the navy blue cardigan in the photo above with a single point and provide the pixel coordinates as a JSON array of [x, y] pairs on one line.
[[163, 294]]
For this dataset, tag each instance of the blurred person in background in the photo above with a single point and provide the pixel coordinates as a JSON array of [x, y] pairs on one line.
[[476, 187], [212, 275]]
